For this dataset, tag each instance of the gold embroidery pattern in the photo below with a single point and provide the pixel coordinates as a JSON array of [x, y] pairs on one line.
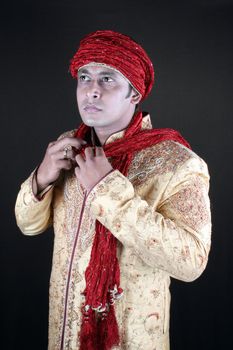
[[156, 160], [190, 205]]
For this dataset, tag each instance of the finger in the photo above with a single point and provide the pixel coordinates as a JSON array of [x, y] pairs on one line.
[[72, 141], [99, 151], [77, 171], [79, 159], [68, 153], [63, 154], [89, 153], [51, 144], [71, 154], [64, 164], [78, 174]]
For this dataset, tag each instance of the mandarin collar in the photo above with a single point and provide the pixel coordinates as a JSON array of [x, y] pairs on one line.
[[146, 124]]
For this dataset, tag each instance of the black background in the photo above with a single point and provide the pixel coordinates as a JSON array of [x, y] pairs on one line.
[[190, 43]]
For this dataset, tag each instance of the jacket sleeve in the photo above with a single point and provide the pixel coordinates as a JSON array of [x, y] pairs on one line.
[[33, 214], [174, 234]]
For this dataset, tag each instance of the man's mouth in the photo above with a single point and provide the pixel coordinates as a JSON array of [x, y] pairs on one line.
[[91, 109]]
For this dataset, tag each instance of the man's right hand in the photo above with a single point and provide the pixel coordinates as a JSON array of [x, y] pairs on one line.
[[56, 159]]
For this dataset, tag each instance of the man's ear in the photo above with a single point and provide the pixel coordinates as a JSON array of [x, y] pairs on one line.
[[136, 97]]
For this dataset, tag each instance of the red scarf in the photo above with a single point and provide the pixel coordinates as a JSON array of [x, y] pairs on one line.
[[103, 273]]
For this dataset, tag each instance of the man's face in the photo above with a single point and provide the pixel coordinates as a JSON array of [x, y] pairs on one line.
[[103, 98]]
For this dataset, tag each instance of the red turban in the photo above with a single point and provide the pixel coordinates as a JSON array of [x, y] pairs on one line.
[[119, 52]]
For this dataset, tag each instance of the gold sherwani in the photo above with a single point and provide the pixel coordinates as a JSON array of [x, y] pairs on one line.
[[160, 216]]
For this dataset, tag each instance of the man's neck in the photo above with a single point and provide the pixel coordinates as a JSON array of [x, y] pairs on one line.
[[103, 133]]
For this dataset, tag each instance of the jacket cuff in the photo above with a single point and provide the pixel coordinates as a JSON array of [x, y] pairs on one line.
[[41, 194], [29, 195]]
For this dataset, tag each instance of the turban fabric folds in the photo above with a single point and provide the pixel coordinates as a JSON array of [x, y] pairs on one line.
[[117, 51]]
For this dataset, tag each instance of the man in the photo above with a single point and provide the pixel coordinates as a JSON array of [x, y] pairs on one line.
[[129, 205]]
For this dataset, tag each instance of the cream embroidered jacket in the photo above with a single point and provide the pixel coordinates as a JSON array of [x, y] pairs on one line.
[[160, 215]]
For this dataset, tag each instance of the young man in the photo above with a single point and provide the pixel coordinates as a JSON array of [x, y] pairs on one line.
[[129, 205]]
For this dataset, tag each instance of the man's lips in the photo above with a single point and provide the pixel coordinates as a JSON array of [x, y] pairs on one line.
[[91, 109]]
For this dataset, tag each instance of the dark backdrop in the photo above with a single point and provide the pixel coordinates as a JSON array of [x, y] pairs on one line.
[[190, 43]]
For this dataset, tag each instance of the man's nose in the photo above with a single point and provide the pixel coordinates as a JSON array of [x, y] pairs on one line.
[[94, 90]]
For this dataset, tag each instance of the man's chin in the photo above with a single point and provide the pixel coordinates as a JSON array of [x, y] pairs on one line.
[[93, 123]]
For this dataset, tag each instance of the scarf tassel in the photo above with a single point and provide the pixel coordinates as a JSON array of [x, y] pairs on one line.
[[88, 335], [108, 335]]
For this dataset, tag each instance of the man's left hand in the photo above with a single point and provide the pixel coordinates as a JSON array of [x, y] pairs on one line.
[[92, 167]]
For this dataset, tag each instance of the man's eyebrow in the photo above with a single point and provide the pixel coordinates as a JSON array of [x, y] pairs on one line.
[[83, 70], [112, 73], [86, 71]]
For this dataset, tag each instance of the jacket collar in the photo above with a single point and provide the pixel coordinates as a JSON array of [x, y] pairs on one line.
[[146, 124]]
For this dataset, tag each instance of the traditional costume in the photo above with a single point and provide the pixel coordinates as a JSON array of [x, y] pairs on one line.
[[116, 246]]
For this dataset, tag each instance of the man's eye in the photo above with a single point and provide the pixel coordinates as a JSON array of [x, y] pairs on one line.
[[107, 79], [84, 78]]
